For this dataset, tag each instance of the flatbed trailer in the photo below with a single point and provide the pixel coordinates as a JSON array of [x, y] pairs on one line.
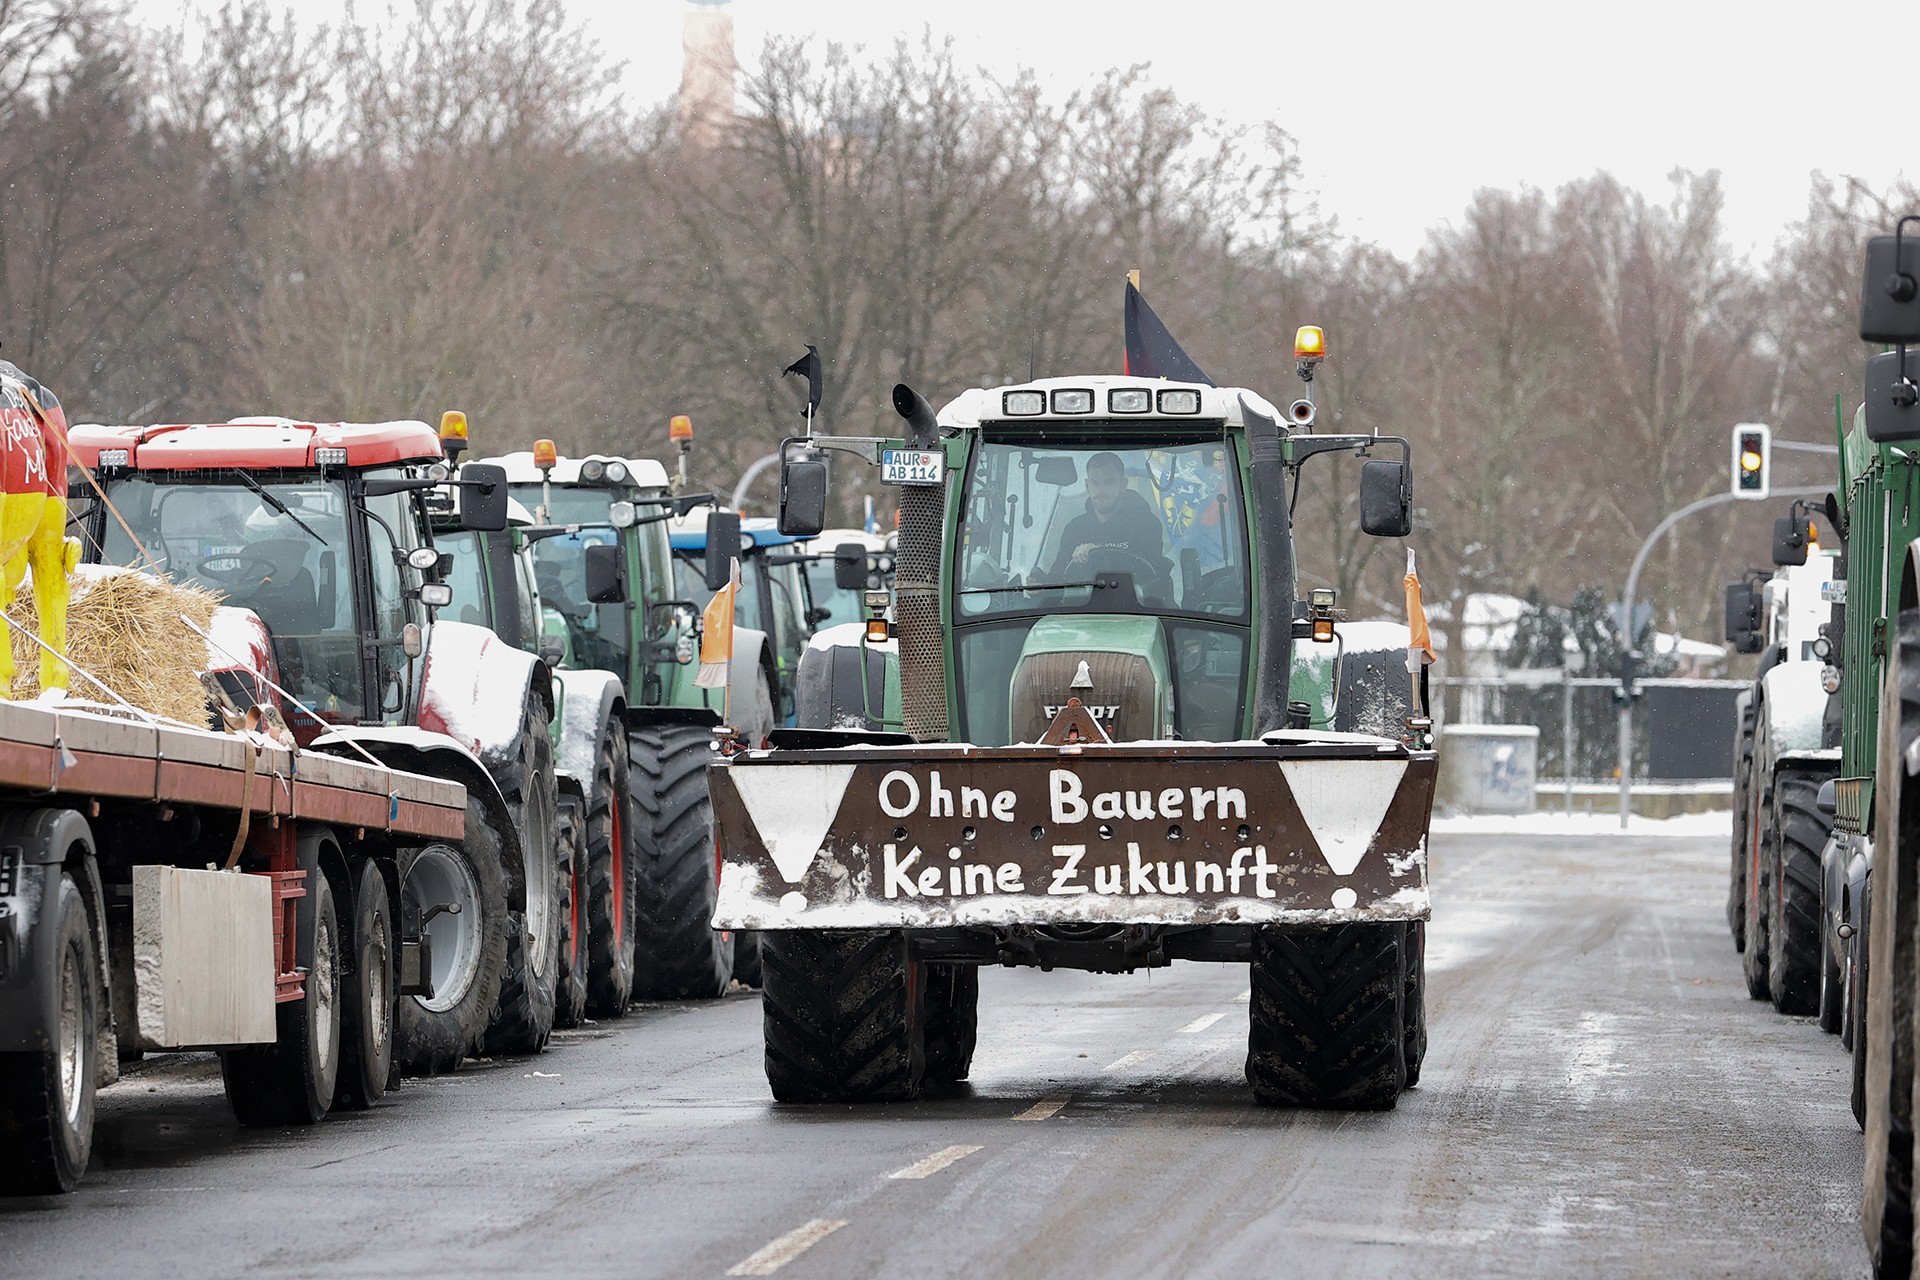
[[165, 887]]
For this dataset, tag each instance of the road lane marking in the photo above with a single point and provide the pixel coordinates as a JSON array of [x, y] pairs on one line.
[[788, 1247], [1045, 1108], [1121, 1064], [935, 1162], [1200, 1024], [1245, 996]]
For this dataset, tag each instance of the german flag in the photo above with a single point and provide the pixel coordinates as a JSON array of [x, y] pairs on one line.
[[1151, 350]]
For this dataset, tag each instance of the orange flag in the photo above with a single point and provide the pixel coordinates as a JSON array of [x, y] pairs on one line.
[[716, 635], [1420, 639]]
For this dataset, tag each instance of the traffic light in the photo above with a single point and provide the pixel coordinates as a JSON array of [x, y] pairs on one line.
[[1752, 456]]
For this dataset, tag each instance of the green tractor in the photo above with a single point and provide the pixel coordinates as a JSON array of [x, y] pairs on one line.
[[1110, 757], [602, 566]]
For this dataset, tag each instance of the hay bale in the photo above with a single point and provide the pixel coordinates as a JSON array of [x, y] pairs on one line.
[[124, 627]]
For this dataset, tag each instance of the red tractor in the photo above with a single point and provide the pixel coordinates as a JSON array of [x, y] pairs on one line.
[[321, 529]]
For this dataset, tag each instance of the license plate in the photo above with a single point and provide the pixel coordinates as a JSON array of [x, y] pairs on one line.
[[912, 466]]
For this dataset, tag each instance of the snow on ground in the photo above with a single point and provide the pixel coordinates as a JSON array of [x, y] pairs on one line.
[[1718, 822]]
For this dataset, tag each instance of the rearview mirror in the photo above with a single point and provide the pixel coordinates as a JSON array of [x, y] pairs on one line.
[[1386, 498], [605, 583], [483, 497], [1743, 618], [723, 548], [1890, 291], [1789, 541], [850, 566], [1893, 403], [803, 496]]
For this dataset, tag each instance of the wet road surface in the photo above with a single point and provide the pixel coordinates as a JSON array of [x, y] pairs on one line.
[[1599, 1098]]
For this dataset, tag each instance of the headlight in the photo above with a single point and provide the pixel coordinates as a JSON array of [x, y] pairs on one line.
[[436, 595], [330, 457], [1131, 400], [423, 558], [617, 472], [593, 471], [1075, 401], [1021, 404], [1180, 401]]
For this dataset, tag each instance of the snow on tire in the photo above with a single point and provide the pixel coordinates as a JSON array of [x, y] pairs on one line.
[[469, 950]]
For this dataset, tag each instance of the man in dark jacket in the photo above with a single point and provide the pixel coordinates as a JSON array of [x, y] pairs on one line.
[[1117, 521]]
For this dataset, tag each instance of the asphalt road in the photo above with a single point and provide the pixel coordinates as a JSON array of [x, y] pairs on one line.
[[1599, 1098]]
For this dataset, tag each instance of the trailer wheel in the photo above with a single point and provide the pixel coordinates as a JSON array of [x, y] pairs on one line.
[[1793, 929], [1328, 1016], [434, 1033], [1414, 1011], [293, 1080], [613, 872], [842, 1012], [523, 1019], [952, 1019], [46, 1098], [1833, 997], [570, 989], [678, 954], [366, 1014], [1760, 873]]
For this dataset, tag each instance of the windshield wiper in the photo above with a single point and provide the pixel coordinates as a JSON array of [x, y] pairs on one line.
[[1032, 586], [277, 505]]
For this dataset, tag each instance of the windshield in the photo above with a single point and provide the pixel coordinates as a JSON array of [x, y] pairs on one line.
[[1063, 528], [289, 567], [838, 605]]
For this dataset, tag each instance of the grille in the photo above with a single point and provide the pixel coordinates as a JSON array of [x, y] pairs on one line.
[[1122, 697]]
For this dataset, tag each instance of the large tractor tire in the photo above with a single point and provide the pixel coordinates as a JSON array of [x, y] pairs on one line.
[[469, 949], [570, 989], [613, 876], [952, 1006], [523, 1019], [1328, 1016], [366, 1009], [1887, 1202], [46, 1098], [677, 952], [1793, 927], [293, 1080], [843, 1016], [1760, 873], [1414, 1014], [1742, 817]]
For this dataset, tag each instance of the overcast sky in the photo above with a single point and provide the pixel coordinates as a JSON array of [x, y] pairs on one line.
[[1402, 110]]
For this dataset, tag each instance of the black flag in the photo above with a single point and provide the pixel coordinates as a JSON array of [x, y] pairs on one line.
[[1151, 350], [808, 367]]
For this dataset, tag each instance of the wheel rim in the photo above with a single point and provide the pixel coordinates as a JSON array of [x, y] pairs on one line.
[[540, 868], [323, 993], [71, 1060], [617, 833], [378, 957], [441, 875]]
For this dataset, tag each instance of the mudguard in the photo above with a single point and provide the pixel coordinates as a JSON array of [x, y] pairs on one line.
[[35, 844], [1792, 706], [754, 719], [436, 755], [588, 699], [474, 687]]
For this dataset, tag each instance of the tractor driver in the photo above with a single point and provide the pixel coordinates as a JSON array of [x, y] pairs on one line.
[[1119, 523]]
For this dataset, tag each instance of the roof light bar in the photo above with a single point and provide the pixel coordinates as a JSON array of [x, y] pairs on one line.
[[1180, 400], [1023, 404], [1130, 400], [1073, 400]]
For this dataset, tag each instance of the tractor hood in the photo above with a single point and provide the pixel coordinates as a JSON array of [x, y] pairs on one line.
[[1115, 664]]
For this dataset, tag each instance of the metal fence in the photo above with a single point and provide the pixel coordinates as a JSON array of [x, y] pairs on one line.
[[1683, 730]]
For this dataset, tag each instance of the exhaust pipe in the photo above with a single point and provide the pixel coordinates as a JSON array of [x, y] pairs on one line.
[[1273, 536], [916, 584]]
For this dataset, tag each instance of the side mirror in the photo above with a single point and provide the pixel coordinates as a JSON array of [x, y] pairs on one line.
[[1893, 402], [1789, 540], [1743, 618], [605, 582], [1890, 290], [850, 566], [1826, 800], [803, 496], [723, 547], [1386, 498], [483, 497]]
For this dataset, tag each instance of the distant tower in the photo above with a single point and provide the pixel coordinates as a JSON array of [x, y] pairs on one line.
[[706, 72]]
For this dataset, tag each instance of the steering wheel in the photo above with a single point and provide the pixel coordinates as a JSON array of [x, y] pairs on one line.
[[237, 569], [1118, 559]]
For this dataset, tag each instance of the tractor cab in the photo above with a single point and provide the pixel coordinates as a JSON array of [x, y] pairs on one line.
[[774, 598]]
